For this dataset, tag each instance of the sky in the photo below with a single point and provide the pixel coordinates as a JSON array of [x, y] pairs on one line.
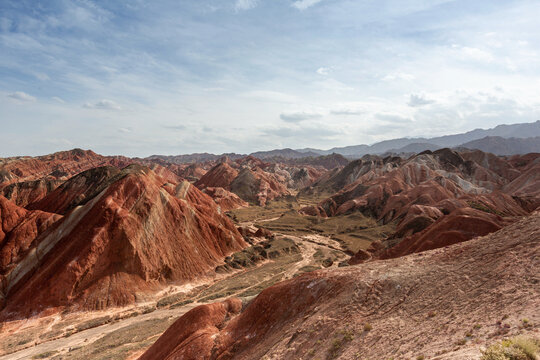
[[138, 77]]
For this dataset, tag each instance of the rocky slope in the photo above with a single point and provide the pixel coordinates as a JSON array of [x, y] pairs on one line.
[[27, 192], [418, 194], [124, 234], [444, 303], [258, 182], [19, 229]]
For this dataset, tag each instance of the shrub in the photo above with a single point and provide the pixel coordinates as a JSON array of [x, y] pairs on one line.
[[519, 348]]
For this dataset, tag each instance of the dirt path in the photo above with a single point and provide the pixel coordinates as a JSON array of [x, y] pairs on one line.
[[62, 345], [308, 251]]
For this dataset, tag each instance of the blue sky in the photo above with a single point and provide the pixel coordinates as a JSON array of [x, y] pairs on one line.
[[169, 77]]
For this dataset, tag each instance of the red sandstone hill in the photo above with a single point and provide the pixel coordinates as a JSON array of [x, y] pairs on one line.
[[419, 193], [328, 162], [19, 229], [442, 304], [124, 233], [61, 165], [256, 181], [78, 190], [28, 192], [225, 199], [247, 179], [220, 175]]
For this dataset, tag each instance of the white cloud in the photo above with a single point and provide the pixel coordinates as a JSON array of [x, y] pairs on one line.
[[399, 76], [271, 96], [103, 104], [471, 53], [419, 100], [310, 132], [392, 118], [125, 130], [42, 76], [296, 117], [21, 96], [59, 142], [212, 71], [304, 4], [58, 99], [175, 127], [245, 4], [323, 70], [347, 111]]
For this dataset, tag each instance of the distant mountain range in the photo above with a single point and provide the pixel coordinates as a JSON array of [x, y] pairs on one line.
[[523, 130], [501, 140], [500, 146]]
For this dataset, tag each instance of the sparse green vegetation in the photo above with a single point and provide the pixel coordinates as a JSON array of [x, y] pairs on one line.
[[45, 355], [353, 231], [334, 349], [118, 344], [519, 348], [344, 337], [482, 207], [368, 327]]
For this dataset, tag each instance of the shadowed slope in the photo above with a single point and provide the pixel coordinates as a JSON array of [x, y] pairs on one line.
[[19, 229]]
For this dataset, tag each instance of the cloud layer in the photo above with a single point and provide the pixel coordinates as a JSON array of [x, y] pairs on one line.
[[21, 96], [140, 77]]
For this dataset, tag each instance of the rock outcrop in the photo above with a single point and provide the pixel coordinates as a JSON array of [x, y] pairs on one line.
[[225, 199]]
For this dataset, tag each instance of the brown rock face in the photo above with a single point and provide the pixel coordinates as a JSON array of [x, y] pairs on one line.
[[78, 190], [460, 225], [360, 257], [19, 229], [28, 192], [220, 175], [225, 199], [436, 296], [527, 184], [250, 178], [191, 336], [134, 233]]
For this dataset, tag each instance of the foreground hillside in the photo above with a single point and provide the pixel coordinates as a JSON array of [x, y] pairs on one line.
[[446, 303]]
